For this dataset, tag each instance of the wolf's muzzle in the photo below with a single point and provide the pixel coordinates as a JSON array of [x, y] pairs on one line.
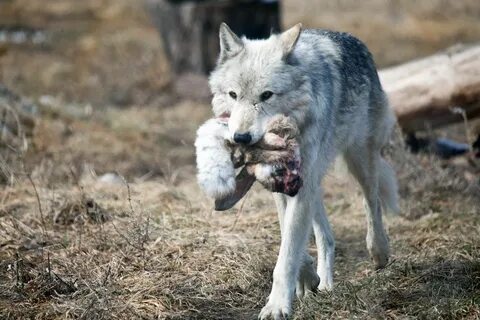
[[244, 138]]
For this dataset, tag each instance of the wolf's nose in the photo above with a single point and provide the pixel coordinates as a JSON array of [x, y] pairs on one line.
[[244, 138]]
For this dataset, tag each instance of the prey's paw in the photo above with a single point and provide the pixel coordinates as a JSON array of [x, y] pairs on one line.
[[272, 141], [274, 311], [308, 279]]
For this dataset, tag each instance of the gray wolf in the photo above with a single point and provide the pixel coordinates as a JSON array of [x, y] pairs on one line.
[[327, 82]]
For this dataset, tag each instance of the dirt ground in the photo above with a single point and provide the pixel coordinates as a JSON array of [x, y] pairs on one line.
[[101, 216]]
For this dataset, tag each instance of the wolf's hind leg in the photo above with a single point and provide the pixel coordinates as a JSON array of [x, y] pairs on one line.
[[365, 163], [308, 279], [388, 187]]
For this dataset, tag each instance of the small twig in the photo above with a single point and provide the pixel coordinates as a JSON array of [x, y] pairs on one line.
[[90, 305], [107, 275], [80, 233], [70, 287], [5, 168], [17, 121], [124, 237], [145, 239], [17, 272], [103, 235], [129, 194], [147, 228], [83, 197], [463, 113], [77, 183], [240, 211], [42, 219], [49, 267]]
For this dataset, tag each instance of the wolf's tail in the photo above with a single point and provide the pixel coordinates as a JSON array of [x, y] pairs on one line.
[[388, 188]]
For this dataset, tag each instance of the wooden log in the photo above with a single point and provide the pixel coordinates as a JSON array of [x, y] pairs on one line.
[[189, 28], [424, 93]]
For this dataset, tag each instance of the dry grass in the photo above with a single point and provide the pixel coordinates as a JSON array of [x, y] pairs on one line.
[[76, 246], [395, 31], [104, 52], [154, 249]]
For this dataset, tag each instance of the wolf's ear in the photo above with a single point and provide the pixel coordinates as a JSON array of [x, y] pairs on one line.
[[230, 43], [289, 38]]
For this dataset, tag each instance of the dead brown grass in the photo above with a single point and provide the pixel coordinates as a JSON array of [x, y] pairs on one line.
[[154, 248], [75, 246], [103, 52], [395, 31]]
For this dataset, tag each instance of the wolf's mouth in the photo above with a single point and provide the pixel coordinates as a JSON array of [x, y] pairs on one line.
[[224, 117]]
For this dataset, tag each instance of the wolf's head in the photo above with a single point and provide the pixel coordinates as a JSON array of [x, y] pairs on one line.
[[255, 80]]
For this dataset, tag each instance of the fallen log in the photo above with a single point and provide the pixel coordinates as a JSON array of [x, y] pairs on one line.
[[425, 93]]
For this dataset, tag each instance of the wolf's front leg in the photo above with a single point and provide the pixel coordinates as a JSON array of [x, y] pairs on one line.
[[325, 245], [297, 224], [308, 279]]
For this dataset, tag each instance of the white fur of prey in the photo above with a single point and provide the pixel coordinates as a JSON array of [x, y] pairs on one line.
[[215, 171]]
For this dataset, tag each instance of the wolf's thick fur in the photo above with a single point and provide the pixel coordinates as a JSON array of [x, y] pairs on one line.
[[328, 83]]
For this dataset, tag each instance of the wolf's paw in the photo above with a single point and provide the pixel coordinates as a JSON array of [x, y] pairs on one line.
[[379, 250], [380, 259], [279, 305], [308, 279], [275, 311], [325, 286]]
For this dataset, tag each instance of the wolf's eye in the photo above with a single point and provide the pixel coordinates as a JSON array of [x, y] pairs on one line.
[[266, 95], [233, 95]]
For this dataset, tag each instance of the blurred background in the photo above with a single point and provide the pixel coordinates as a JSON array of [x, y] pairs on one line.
[[99, 104], [120, 52]]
